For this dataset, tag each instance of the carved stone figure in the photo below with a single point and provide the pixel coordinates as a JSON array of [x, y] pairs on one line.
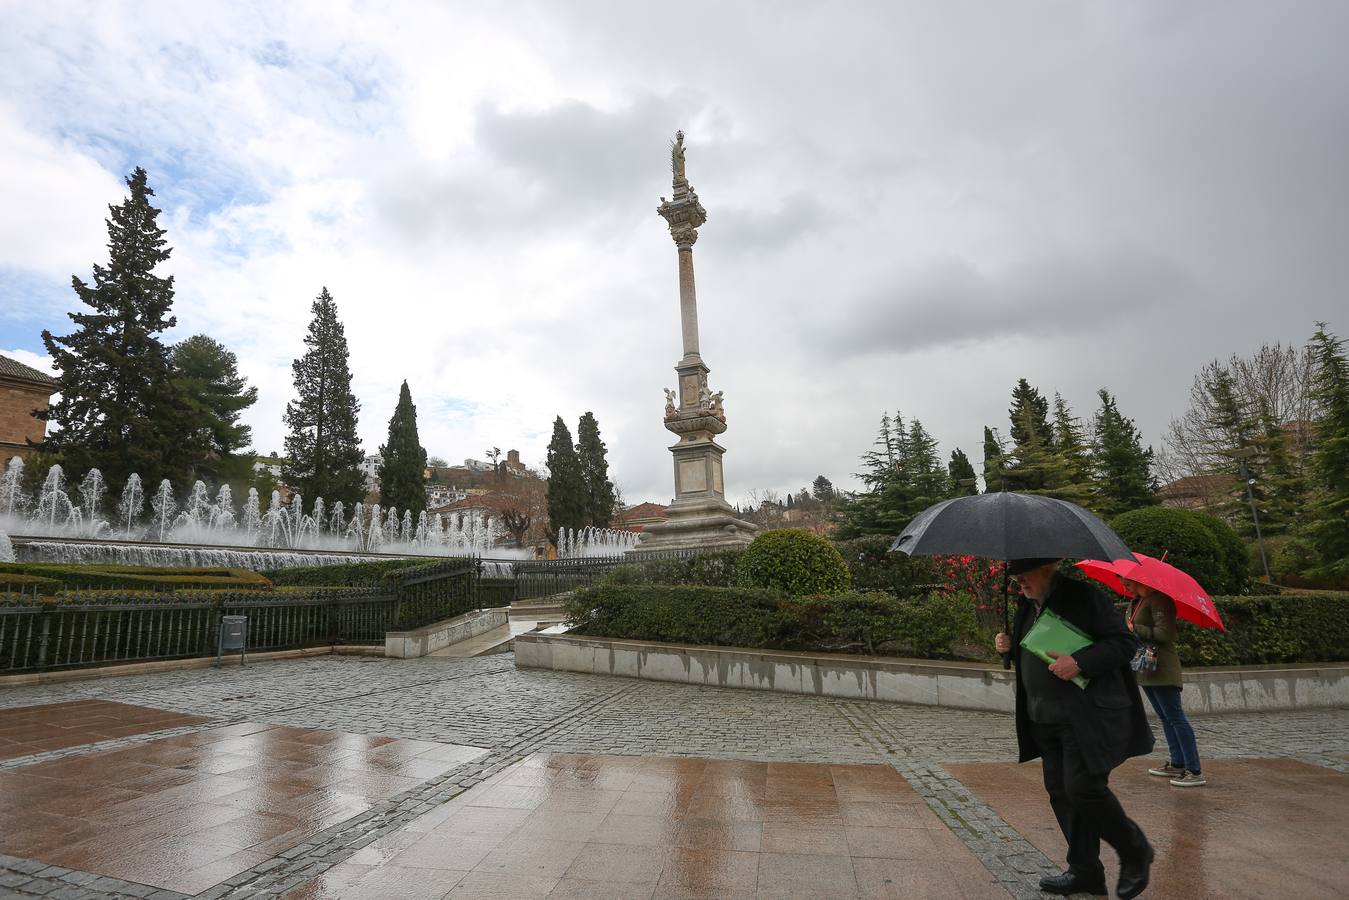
[[716, 402], [677, 157], [704, 396], [670, 409]]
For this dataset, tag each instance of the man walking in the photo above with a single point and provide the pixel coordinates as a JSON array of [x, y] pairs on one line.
[[1080, 734]]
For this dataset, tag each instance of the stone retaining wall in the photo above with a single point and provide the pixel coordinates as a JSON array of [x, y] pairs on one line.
[[437, 636], [924, 682]]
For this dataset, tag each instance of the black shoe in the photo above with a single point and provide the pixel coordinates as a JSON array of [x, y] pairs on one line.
[[1071, 882], [1134, 874]]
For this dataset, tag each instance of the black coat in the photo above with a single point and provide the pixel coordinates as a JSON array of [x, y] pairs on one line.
[[1107, 716]]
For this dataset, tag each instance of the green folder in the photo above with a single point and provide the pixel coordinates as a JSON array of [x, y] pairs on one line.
[[1052, 632]]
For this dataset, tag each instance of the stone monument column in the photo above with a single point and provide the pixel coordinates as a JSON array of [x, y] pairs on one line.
[[700, 515]]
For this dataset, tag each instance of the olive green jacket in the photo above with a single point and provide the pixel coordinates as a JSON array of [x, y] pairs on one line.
[[1155, 624]]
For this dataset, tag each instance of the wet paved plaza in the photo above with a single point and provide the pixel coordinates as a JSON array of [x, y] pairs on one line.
[[357, 777]]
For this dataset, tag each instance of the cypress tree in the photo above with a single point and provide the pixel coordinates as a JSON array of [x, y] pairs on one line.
[[1329, 530], [402, 468], [119, 408], [566, 490], [961, 480], [1123, 469], [995, 455], [324, 453], [594, 467]]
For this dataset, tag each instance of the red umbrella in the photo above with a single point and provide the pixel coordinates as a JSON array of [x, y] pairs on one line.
[[1193, 604], [1106, 572]]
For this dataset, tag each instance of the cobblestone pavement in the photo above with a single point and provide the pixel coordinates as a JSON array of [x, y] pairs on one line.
[[487, 702]]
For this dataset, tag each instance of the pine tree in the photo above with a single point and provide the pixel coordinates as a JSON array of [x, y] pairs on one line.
[[214, 396], [961, 480], [566, 490], [119, 408], [995, 455], [822, 489], [1329, 530], [923, 472], [1122, 468], [1070, 444], [402, 468], [594, 467], [324, 453]]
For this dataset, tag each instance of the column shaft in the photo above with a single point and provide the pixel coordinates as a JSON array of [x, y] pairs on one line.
[[688, 301]]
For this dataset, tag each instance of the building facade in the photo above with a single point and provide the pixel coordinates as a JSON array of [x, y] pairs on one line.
[[23, 391]]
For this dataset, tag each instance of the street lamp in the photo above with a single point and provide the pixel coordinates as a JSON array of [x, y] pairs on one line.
[[1242, 454]]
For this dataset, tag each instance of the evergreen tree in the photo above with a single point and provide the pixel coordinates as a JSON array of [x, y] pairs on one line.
[[1029, 414], [566, 488], [594, 467], [324, 454], [1329, 529], [214, 396], [961, 480], [1282, 489], [822, 489], [923, 472], [995, 456], [402, 468], [1122, 468], [119, 408], [904, 475], [1070, 444]]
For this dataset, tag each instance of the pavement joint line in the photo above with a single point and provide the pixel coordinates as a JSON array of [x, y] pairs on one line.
[[133, 740], [336, 844], [1013, 861]]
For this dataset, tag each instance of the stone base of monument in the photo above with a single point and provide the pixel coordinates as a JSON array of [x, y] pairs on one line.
[[697, 524]]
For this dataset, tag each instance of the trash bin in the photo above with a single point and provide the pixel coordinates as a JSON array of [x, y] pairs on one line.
[[233, 636]]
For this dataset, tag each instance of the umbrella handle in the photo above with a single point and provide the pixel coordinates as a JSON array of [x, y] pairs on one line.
[[1006, 615]]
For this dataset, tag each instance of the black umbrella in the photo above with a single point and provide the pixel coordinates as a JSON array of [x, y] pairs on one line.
[[1008, 525]]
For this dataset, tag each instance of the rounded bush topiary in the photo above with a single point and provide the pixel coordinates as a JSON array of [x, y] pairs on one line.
[[1190, 543], [794, 561]]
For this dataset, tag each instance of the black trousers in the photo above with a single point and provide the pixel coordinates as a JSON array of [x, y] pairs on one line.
[[1083, 803]]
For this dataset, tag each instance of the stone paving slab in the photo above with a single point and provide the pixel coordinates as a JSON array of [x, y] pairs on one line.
[[488, 703], [1260, 828], [185, 813], [28, 730], [581, 825]]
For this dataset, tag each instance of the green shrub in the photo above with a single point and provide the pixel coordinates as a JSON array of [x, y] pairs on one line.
[[874, 568], [1236, 554], [22, 583], [357, 574], [1188, 542], [714, 569], [111, 577], [1289, 628], [683, 614], [927, 626], [794, 561]]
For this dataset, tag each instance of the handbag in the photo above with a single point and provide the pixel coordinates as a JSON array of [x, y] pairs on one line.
[[1145, 657]]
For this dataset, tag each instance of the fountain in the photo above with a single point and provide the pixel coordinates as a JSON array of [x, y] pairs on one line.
[[208, 531], [589, 542]]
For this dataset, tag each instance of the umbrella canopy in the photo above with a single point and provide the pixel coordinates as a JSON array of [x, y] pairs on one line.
[[1193, 604], [1008, 525]]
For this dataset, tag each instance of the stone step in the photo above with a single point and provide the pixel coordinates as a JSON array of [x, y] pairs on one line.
[[498, 640]]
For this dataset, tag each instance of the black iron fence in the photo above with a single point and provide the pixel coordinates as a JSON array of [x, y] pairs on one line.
[[86, 628], [546, 577], [97, 628]]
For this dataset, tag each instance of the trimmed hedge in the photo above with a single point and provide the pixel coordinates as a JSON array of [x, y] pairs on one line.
[[1291, 627], [716, 569], [873, 623], [1190, 541], [73, 576], [14, 581], [356, 574], [795, 561], [1288, 628]]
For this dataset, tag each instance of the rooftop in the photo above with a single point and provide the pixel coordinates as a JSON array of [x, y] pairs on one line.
[[12, 368]]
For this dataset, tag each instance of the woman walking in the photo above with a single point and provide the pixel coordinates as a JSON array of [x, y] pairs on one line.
[[1152, 617]]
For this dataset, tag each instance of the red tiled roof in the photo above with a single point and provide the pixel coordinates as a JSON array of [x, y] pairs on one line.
[[12, 368]]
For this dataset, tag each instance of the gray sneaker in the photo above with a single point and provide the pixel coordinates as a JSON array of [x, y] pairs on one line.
[[1167, 771], [1190, 779]]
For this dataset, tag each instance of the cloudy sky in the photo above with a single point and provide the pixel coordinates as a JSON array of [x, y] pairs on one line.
[[910, 205]]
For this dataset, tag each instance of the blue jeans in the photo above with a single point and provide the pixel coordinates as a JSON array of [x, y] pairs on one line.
[[1179, 733]]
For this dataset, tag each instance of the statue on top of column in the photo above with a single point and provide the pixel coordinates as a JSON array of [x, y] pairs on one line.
[[677, 157]]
